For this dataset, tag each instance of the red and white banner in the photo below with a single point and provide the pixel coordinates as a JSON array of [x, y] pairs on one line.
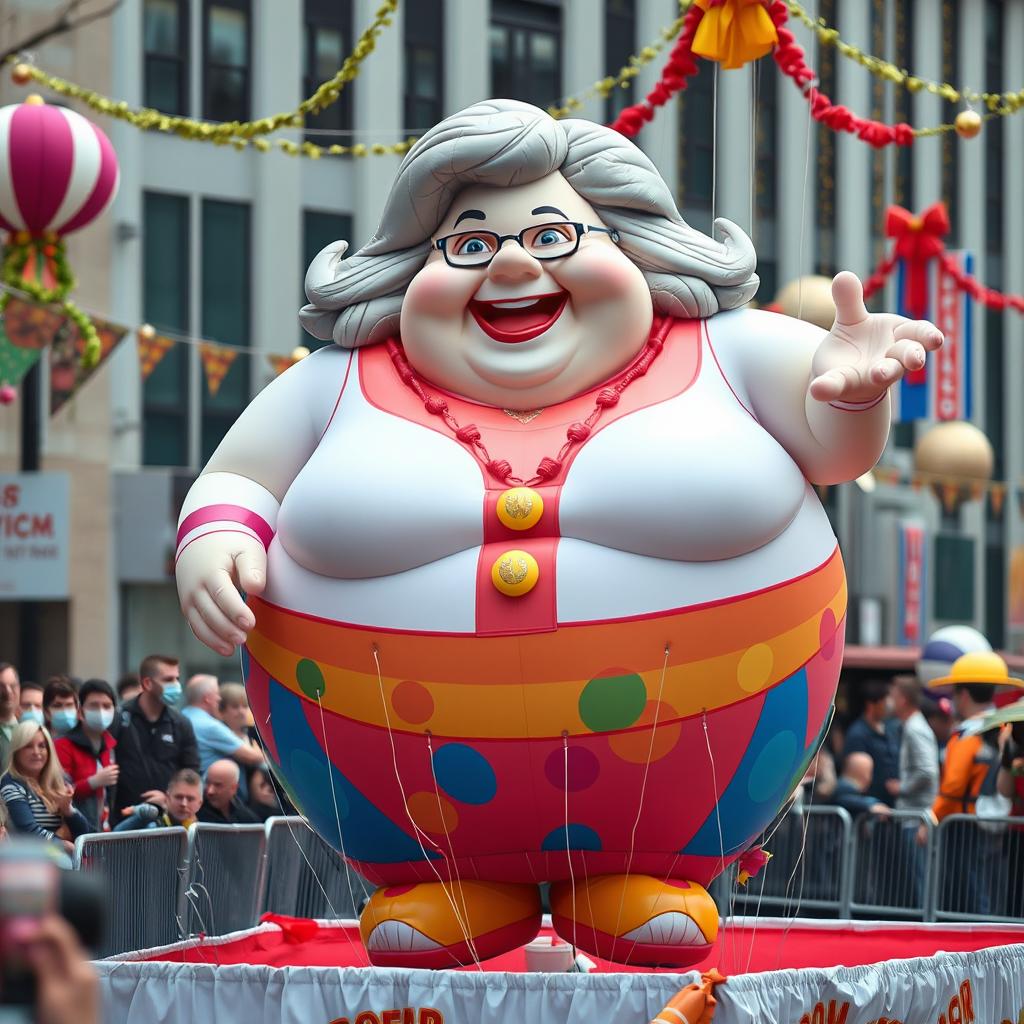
[[912, 562]]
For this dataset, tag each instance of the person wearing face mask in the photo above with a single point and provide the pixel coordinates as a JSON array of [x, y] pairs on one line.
[[154, 741], [87, 753], [31, 703], [60, 705]]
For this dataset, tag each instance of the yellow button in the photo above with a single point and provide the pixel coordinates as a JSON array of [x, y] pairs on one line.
[[520, 508], [515, 573]]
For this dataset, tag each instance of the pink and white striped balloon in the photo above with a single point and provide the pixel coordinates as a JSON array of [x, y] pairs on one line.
[[58, 171]]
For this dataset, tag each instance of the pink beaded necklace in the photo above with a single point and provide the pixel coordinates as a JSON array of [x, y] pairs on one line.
[[576, 434]]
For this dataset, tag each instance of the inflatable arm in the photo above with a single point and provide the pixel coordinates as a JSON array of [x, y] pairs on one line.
[[229, 516], [824, 397]]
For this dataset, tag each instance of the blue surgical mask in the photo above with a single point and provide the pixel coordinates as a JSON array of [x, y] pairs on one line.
[[99, 718], [33, 715], [171, 694], [63, 719]]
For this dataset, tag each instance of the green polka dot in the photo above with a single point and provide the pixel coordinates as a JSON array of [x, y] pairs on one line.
[[310, 678], [612, 702]]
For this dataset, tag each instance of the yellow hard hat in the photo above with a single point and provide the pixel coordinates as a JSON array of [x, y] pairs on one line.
[[978, 667]]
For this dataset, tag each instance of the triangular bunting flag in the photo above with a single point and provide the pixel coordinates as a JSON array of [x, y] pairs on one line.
[[15, 361], [30, 326], [216, 360], [280, 363], [151, 351], [67, 374]]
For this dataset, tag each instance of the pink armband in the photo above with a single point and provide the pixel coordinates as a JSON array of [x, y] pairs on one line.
[[223, 518]]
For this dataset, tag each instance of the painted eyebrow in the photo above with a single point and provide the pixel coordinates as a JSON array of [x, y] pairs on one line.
[[470, 214], [549, 209]]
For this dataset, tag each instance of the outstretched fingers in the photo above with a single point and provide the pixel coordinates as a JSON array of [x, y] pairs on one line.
[[834, 383], [848, 295], [926, 334]]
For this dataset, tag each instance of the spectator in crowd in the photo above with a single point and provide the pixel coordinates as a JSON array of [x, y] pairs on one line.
[[918, 780], [235, 714], [4, 821], [60, 705], [38, 797], [221, 805], [153, 740], [263, 800], [87, 754], [184, 798], [939, 716], [876, 734], [10, 698], [31, 703], [970, 755], [853, 790], [128, 687], [1011, 785], [214, 738]]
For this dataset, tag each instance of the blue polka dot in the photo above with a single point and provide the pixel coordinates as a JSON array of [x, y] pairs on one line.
[[580, 838], [773, 767], [464, 774]]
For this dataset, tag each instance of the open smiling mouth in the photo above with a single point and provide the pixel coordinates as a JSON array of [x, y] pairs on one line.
[[515, 320]]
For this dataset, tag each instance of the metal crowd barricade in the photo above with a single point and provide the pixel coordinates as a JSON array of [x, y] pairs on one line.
[[145, 873], [979, 869], [807, 871], [306, 877], [226, 865], [890, 872]]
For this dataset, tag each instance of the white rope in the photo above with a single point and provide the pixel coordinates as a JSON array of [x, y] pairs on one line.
[[568, 851]]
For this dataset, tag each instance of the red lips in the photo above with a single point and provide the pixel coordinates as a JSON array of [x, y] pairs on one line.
[[512, 321]]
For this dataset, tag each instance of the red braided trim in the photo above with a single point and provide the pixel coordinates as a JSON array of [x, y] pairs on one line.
[[576, 434], [680, 66], [879, 276], [790, 59], [976, 290]]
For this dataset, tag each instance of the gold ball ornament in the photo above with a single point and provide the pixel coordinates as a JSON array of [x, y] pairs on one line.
[[147, 332], [810, 299], [957, 460], [21, 74], [967, 124], [35, 100], [299, 352]]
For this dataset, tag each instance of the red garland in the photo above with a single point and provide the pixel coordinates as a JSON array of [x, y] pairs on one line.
[[790, 59], [976, 290], [680, 66], [880, 275]]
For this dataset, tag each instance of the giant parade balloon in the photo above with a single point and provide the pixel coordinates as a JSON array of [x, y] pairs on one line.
[[538, 585]]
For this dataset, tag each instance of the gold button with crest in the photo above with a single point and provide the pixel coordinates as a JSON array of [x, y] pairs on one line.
[[520, 508], [515, 573]]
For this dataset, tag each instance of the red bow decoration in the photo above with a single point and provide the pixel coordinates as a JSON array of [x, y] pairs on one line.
[[919, 239]]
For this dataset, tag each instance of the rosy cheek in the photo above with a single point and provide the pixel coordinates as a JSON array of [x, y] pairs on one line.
[[439, 290], [597, 273]]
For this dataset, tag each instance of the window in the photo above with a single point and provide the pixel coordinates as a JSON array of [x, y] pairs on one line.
[[878, 159], [165, 48], [328, 43], [696, 138], [619, 46], [766, 179], [318, 230], [526, 43], [825, 213], [954, 578], [950, 141], [225, 312], [226, 46], [903, 110], [424, 65], [165, 303]]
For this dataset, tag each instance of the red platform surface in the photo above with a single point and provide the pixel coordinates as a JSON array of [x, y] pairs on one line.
[[744, 947]]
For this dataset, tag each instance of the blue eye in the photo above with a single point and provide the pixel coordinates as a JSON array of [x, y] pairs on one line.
[[549, 237], [473, 247]]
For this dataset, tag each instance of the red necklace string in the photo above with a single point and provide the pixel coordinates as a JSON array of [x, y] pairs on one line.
[[576, 434]]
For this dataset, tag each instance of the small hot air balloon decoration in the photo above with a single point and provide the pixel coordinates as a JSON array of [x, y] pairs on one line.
[[58, 173]]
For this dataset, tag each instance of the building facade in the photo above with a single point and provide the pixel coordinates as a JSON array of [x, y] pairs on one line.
[[207, 242]]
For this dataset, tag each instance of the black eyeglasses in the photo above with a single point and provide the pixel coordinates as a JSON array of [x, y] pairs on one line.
[[552, 241]]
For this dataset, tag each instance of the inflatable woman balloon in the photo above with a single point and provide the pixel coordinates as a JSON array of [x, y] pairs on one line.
[[538, 585]]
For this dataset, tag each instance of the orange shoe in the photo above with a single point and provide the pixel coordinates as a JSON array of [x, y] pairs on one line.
[[416, 925], [637, 919]]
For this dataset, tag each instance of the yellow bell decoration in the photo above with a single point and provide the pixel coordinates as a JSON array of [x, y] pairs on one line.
[[515, 573], [22, 74], [967, 124], [733, 32]]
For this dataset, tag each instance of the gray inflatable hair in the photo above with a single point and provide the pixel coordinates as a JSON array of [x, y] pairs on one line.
[[358, 301]]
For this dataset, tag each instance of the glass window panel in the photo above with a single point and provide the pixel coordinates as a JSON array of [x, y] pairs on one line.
[[229, 42], [954, 578], [319, 229], [167, 384], [425, 73], [226, 91], [160, 27], [163, 85], [164, 439], [165, 239], [329, 49]]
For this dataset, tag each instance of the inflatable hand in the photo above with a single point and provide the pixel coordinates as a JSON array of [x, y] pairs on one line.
[[210, 572], [865, 353]]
